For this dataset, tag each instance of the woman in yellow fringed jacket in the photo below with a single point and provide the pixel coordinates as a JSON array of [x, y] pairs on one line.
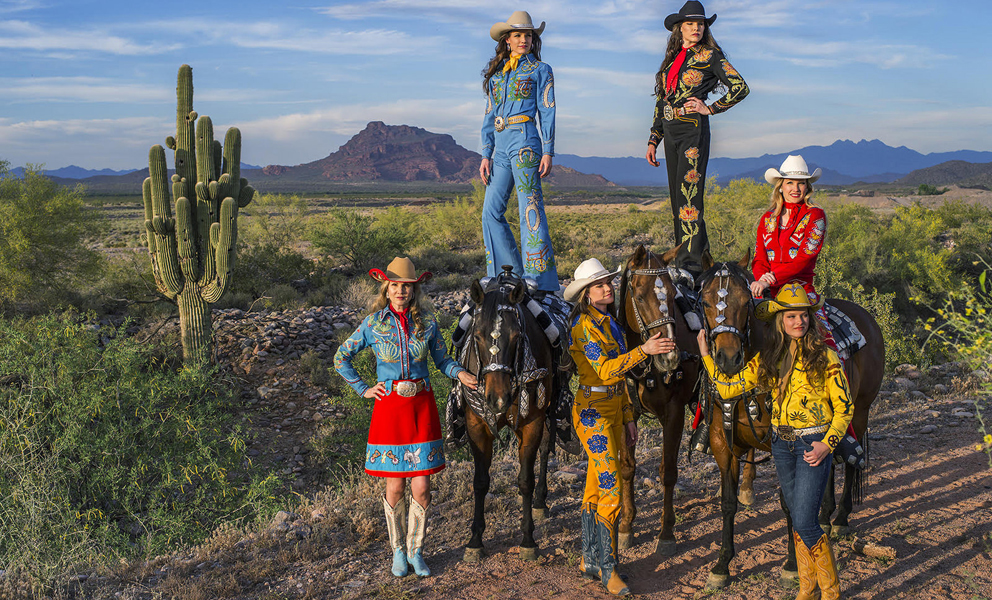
[[601, 412], [811, 409]]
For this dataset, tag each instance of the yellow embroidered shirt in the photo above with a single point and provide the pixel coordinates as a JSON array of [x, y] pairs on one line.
[[803, 405], [597, 355]]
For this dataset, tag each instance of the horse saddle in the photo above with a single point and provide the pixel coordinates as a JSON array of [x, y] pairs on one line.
[[846, 334]]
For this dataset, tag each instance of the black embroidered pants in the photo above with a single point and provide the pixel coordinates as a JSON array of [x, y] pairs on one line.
[[687, 150]]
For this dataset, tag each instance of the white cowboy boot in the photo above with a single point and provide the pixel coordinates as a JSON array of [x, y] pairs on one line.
[[415, 531], [396, 524]]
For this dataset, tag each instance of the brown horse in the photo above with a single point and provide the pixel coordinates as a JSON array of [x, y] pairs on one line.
[[744, 423], [512, 356], [666, 384]]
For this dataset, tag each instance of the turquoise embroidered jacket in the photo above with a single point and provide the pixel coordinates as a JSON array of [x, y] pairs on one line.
[[398, 355], [527, 90]]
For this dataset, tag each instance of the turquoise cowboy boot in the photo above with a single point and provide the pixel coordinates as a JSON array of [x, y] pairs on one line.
[[609, 559], [396, 524], [589, 567], [416, 529]]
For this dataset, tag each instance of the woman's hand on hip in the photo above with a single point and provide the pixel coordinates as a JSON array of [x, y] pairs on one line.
[[658, 345], [815, 456], [486, 170], [632, 434], [652, 156], [376, 392], [697, 105], [704, 345], [545, 169], [468, 380]]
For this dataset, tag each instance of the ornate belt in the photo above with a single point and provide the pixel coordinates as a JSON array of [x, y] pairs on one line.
[[612, 390], [409, 389], [791, 434], [501, 122], [671, 112]]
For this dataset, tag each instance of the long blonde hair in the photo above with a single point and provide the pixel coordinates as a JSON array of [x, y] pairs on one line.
[[778, 200], [812, 347], [419, 306]]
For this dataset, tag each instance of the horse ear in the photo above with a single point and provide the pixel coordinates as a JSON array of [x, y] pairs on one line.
[[669, 256], [517, 294], [746, 261], [707, 261], [476, 293], [638, 255]]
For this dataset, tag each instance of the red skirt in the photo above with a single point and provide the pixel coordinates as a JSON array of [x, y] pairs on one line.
[[405, 437]]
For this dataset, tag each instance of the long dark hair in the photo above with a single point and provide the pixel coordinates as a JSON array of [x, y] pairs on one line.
[[583, 306], [812, 348], [501, 54], [673, 49]]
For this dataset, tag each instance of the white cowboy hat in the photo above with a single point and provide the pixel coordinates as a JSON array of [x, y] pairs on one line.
[[518, 21], [589, 271], [794, 167]]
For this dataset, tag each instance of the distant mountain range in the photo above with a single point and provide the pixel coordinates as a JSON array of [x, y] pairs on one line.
[[959, 172], [844, 162], [74, 172]]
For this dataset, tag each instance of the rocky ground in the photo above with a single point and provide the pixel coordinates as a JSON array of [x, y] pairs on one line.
[[929, 501]]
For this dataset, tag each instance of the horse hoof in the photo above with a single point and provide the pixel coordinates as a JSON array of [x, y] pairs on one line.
[[840, 530], [716, 582], [473, 555], [528, 554], [539, 514], [746, 498], [789, 579], [625, 540], [665, 547]]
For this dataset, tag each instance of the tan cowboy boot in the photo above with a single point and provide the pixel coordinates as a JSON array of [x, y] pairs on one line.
[[396, 524], [807, 571], [416, 529], [609, 559], [589, 565], [826, 569]]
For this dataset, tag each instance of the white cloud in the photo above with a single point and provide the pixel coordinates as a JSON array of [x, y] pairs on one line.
[[22, 35], [578, 79]]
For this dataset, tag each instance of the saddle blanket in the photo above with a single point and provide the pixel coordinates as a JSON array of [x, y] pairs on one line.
[[846, 334]]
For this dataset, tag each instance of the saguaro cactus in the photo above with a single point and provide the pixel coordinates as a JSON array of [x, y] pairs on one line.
[[193, 254]]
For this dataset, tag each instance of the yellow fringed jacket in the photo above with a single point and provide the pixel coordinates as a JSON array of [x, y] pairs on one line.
[[803, 405]]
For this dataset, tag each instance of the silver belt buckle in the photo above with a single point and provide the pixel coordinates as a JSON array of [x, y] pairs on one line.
[[407, 389], [500, 123], [669, 112], [787, 433]]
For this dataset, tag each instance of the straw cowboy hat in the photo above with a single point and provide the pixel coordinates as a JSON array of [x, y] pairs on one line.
[[794, 167], [589, 272], [792, 296], [401, 270], [690, 11], [518, 21]]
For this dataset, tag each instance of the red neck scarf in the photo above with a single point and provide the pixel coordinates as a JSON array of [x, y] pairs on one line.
[[402, 317], [673, 71]]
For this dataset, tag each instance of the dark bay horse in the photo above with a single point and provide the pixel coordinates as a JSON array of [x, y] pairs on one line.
[[666, 384], [512, 356], [743, 424]]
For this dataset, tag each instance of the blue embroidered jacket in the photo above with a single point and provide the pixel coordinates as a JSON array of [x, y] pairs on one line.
[[398, 355], [527, 90]]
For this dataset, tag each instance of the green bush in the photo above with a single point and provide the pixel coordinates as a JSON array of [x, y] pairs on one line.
[[261, 268], [358, 240], [458, 224], [44, 230], [926, 189], [106, 452], [272, 220]]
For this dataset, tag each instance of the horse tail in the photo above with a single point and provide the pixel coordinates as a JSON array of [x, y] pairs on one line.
[[859, 481]]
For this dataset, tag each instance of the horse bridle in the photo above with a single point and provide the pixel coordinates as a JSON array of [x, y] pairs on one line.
[[660, 292], [725, 275], [494, 348]]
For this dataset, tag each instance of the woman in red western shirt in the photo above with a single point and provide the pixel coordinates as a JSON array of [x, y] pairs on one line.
[[790, 235]]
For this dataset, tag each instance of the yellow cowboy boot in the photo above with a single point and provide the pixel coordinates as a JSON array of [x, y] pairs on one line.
[[807, 570], [609, 559], [589, 565], [826, 569]]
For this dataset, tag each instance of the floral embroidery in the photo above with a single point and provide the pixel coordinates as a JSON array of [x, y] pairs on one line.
[[692, 77], [589, 416], [703, 56], [597, 444], [688, 213], [689, 226], [815, 236], [798, 415], [692, 176], [692, 153], [729, 69], [607, 480], [593, 351]]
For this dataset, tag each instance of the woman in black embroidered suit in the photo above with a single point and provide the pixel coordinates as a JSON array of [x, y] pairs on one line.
[[694, 65]]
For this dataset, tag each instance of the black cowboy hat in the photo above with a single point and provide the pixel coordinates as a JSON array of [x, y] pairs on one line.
[[690, 11]]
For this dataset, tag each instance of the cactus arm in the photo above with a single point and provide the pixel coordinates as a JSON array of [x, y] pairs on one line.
[[224, 238], [146, 195], [185, 139], [206, 205], [186, 237], [232, 163], [247, 194], [218, 153], [168, 277]]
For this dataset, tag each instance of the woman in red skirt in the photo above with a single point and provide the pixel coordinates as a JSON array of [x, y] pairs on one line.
[[405, 435]]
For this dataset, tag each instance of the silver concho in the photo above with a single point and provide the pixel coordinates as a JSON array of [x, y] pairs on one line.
[[500, 123], [669, 113]]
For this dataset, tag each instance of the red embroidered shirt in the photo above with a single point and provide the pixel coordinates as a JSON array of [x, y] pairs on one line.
[[788, 246]]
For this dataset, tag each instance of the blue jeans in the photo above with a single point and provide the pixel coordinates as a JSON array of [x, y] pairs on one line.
[[516, 159], [802, 485]]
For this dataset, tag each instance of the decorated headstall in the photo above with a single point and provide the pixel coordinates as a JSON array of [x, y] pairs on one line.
[[660, 292], [724, 275]]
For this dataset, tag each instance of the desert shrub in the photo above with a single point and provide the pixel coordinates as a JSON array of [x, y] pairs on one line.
[[926, 189], [282, 297], [356, 239], [316, 368], [44, 229], [732, 214], [272, 220], [458, 224], [260, 268], [360, 293], [105, 452]]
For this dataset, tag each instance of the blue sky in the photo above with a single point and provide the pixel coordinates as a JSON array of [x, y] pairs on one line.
[[92, 82]]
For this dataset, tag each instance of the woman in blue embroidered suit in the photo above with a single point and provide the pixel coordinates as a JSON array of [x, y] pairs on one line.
[[601, 413], [405, 433], [520, 96], [694, 65]]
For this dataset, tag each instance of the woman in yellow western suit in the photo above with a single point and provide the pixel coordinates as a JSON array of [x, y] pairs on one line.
[[601, 412], [811, 410]]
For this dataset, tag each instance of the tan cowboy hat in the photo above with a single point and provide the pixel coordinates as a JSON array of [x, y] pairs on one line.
[[401, 270], [589, 271], [794, 167], [518, 21], [792, 296]]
